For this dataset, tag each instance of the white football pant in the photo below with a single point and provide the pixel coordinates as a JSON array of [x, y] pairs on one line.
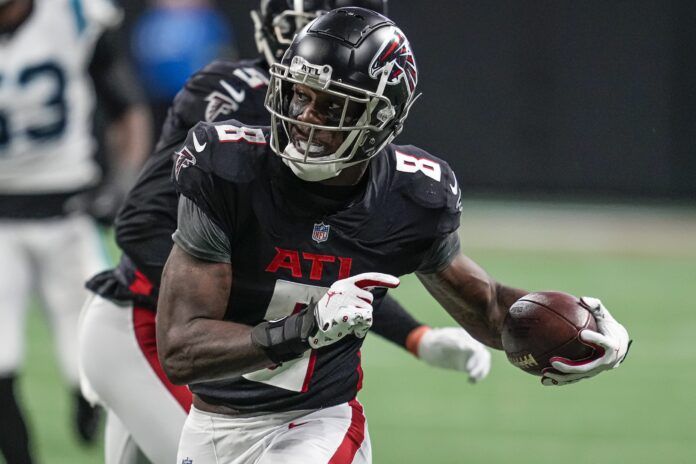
[[53, 257], [335, 435], [120, 370]]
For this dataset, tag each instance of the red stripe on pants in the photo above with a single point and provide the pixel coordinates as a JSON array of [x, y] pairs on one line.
[[354, 436], [144, 326]]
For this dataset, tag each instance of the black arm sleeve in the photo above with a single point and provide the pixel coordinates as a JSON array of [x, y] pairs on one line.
[[147, 220], [392, 322], [114, 80]]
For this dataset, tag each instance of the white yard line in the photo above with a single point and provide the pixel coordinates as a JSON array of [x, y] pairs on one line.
[[579, 227]]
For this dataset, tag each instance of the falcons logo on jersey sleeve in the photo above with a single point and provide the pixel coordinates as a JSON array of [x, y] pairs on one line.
[[396, 50], [220, 104], [184, 159]]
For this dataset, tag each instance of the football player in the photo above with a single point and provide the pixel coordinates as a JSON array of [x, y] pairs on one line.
[[288, 236], [133, 385], [49, 70]]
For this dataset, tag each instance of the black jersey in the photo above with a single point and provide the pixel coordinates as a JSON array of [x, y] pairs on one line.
[[288, 244], [144, 226]]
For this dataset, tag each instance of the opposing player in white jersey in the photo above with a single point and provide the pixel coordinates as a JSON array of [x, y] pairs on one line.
[[50, 66]]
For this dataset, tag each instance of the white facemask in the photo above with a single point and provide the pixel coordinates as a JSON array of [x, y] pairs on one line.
[[310, 172]]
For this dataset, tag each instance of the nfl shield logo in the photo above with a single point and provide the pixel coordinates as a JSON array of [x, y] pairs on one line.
[[187, 461], [321, 232]]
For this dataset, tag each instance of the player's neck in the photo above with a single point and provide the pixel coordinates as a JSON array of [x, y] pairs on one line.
[[14, 14], [336, 193], [348, 177]]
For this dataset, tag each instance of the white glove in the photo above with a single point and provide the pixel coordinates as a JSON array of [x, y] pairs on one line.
[[453, 348], [347, 308], [611, 344]]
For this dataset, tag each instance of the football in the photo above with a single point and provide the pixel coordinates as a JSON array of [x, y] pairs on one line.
[[542, 325]]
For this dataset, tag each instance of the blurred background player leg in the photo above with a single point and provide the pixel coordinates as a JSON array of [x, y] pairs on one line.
[[14, 299], [14, 439], [119, 446], [74, 240]]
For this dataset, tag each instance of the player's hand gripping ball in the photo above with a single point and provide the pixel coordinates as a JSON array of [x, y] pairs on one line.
[[346, 309], [563, 338], [543, 325]]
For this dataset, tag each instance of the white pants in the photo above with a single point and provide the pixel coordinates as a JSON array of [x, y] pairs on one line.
[[335, 435], [54, 257], [120, 370]]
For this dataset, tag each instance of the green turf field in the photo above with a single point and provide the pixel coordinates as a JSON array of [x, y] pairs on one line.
[[641, 413]]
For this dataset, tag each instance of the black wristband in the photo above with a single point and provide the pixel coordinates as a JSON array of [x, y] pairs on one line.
[[287, 338], [392, 321]]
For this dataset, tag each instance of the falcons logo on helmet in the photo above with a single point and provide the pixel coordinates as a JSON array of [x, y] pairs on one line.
[[184, 159], [398, 51]]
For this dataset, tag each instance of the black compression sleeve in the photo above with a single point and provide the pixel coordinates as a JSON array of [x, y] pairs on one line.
[[147, 220], [392, 322]]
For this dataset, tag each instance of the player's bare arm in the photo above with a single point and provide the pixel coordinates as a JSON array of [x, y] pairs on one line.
[[480, 304], [194, 343], [473, 298]]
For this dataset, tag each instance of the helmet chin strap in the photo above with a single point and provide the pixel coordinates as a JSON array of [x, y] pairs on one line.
[[307, 171]]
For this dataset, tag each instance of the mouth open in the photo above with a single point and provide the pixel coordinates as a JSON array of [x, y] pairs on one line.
[[313, 150]]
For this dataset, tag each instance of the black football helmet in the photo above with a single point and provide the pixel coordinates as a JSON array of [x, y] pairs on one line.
[[364, 61], [277, 21]]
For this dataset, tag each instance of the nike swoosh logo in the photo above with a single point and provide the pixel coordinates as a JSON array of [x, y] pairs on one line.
[[197, 145], [292, 425], [455, 187], [237, 96]]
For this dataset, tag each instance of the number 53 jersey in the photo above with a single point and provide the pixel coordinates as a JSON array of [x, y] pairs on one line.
[[46, 97], [288, 240]]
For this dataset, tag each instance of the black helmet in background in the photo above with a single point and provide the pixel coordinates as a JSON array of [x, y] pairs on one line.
[[277, 21]]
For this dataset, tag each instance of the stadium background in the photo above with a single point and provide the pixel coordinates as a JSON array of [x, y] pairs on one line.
[[586, 108]]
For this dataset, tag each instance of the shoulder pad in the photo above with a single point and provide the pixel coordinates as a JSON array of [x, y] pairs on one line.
[[225, 90], [427, 181], [228, 150]]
